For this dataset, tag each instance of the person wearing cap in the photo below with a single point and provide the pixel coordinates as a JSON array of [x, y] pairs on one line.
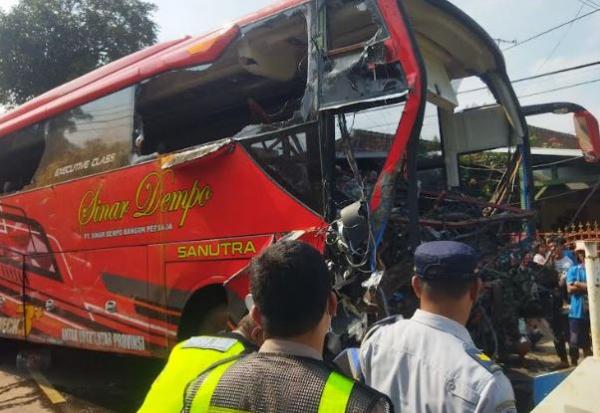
[[194, 355], [293, 302], [429, 363]]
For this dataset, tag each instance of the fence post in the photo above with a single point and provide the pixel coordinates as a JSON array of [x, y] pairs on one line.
[[592, 269]]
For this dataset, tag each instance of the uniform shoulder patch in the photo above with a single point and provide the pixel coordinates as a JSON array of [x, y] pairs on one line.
[[221, 344], [483, 359]]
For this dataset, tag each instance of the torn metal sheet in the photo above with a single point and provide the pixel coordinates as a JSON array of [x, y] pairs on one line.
[[361, 78], [181, 158]]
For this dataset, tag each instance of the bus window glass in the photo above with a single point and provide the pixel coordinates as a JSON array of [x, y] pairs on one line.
[[292, 158], [430, 160], [89, 139], [370, 135], [257, 85], [20, 155], [355, 68]]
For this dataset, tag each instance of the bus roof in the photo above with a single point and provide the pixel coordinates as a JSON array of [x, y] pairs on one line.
[[144, 64]]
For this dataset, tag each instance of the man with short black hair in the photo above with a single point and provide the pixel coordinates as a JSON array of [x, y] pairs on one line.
[[429, 363], [294, 304]]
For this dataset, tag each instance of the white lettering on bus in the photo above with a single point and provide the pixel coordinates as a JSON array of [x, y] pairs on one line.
[[86, 164], [9, 326], [103, 339]]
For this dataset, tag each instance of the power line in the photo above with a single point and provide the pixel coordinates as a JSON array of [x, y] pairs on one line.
[[557, 45], [550, 30], [554, 72], [590, 3], [560, 88]]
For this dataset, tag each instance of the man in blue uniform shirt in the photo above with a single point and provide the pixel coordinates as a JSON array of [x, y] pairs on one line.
[[429, 363]]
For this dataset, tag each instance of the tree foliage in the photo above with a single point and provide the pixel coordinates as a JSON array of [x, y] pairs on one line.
[[44, 43]]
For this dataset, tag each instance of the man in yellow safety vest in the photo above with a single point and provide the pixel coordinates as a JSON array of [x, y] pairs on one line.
[[294, 304], [189, 358]]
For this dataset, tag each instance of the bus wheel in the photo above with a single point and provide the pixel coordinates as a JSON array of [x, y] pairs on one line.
[[205, 313]]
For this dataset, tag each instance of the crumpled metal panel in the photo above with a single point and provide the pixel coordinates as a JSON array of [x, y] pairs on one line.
[[199, 152]]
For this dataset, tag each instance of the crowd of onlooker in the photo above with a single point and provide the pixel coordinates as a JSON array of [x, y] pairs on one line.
[[570, 321]]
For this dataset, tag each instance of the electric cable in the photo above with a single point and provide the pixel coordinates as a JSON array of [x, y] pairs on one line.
[[584, 203], [559, 88], [590, 3], [554, 72], [557, 45], [550, 30]]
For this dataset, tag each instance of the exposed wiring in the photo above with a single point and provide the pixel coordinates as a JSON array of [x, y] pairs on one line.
[[545, 165], [566, 193]]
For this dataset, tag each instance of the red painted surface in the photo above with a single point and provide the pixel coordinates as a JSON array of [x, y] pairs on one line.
[[400, 49], [85, 258], [590, 143], [111, 259]]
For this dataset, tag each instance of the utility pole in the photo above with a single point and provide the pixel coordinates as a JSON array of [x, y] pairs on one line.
[[592, 270]]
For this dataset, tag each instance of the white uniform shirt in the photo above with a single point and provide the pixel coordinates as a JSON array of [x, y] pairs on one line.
[[429, 364]]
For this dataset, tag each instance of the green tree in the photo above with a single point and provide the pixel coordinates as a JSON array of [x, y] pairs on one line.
[[44, 43]]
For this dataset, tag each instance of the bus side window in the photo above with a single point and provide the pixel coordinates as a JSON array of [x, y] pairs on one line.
[[291, 157], [20, 155], [257, 85], [91, 138]]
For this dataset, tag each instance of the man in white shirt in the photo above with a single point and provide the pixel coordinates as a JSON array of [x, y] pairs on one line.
[[541, 255], [429, 363]]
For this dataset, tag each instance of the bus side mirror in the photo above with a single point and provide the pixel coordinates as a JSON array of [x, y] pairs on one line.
[[588, 135]]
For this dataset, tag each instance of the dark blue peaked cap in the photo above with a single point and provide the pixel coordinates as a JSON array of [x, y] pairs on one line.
[[445, 260]]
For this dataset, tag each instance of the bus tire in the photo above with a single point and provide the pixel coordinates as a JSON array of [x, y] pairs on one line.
[[204, 313]]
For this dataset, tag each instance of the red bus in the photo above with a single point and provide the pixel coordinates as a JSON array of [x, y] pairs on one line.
[[132, 195]]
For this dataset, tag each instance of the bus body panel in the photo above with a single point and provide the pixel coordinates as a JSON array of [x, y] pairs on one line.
[[122, 251]]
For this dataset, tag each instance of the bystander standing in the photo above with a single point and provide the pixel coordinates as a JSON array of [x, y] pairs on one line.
[[579, 316]]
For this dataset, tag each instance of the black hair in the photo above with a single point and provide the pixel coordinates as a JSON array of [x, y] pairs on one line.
[[290, 285], [447, 289]]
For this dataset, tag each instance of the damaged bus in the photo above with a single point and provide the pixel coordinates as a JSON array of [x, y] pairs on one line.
[[134, 197]]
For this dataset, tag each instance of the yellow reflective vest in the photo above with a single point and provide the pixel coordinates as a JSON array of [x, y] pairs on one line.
[[335, 396], [187, 360]]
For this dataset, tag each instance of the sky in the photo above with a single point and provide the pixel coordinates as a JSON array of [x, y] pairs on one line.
[[509, 20]]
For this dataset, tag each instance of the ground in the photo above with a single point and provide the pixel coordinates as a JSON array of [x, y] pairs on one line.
[[75, 381]]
